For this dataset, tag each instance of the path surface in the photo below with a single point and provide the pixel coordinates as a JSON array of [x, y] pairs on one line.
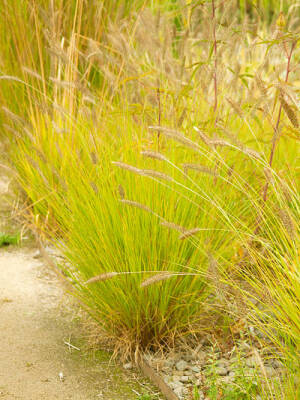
[[36, 319], [34, 324]]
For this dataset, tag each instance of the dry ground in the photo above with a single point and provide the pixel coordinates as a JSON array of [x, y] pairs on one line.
[[36, 319]]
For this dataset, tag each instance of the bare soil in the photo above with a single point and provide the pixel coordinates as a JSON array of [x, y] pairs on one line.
[[35, 324], [37, 321]]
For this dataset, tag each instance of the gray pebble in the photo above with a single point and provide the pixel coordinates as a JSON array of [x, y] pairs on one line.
[[169, 363], [222, 363], [252, 361], [184, 379], [198, 382], [176, 382], [227, 379], [37, 254], [181, 365], [179, 391], [221, 371]]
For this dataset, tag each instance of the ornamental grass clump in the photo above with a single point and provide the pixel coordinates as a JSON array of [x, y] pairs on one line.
[[162, 166]]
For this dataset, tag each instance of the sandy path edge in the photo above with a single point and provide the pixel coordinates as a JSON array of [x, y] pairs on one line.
[[34, 324], [36, 318]]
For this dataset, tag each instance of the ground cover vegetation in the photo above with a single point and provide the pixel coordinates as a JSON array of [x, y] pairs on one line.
[[156, 144]]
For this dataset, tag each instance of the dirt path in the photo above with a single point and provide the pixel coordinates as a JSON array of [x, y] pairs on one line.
[[34, 326], [36, 321]]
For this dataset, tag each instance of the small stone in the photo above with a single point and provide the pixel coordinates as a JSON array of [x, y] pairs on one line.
[[227, 379], [252, 361], [189, 357], [179, 391], [172, 385], [169, 363], [222, 363], [181, 365], [184, 379], [177, 373], [198, 382], [176, 382], [37, 254], [188, 372], [195, 369], [231, 374], [128, 366], [221, 371]]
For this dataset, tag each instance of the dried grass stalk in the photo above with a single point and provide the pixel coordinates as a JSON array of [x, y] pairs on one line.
[[268, 174], [32, 73], [127, 167], [252, 153], [289, 112], [189, 233], [94, 157], [177, 136], [57, 128], [202, 135], [102, 277], [156, 174], [162, 276], [11, 78], [58, 149], [236, 107], [181, 118], [13, 131], [233, 137], [261, 85], [199, 168], [220, 142], [94, 187], [36, 166], [171, 225], [14, 117], [155, 155], [136, 204], [287, 222], [121, 192], [143, 172], [213, 275], [212, 142]]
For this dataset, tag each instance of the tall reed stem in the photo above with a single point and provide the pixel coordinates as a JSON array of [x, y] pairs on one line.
[[215, 55], [276, 128]]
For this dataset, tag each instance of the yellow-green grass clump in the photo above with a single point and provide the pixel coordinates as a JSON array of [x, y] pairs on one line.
[[163, 166]]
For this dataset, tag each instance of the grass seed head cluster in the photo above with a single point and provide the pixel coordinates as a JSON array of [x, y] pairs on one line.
[[156, 144]]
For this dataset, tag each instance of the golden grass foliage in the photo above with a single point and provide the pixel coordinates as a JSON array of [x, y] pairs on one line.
[[156, 145]]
